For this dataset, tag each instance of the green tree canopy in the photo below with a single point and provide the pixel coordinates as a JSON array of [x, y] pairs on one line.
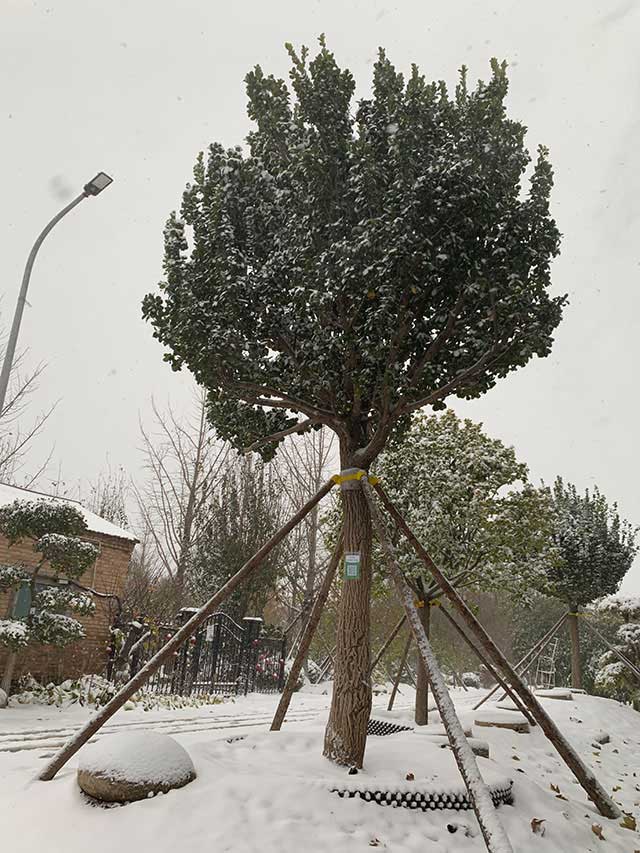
[[244, 512], [358, 261], [468, 499], [596, 547]]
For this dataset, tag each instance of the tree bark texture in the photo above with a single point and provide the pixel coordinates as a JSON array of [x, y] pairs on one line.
[[346, 733], [576, 663]]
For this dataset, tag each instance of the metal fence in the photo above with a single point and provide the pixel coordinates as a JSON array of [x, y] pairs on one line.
[[222, 657]]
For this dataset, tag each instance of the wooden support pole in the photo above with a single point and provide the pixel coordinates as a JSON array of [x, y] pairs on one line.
[[403, 663], [484, 660], [492, 830], [100, 717], [305, 642], [387, 643], [583, 774], [525, 663]]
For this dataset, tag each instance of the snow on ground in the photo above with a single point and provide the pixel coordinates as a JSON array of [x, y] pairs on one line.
[[270, 791]]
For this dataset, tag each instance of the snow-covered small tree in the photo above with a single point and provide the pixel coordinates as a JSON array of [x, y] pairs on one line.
[[54, 529], [596, 549], [467, 497], [612, 677], [354, 263]]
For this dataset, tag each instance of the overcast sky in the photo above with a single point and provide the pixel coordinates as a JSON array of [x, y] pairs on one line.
[[137, 88]]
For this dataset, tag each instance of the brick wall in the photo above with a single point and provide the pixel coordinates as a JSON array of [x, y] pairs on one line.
[[48, 663]]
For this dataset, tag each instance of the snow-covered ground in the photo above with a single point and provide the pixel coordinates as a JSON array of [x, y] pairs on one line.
[[270, 791]]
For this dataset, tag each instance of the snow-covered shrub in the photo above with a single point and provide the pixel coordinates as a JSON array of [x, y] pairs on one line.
[[471, 679], [95, 691], [53, 529], [613, 678]]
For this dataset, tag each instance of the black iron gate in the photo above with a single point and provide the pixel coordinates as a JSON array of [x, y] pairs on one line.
[[222, 658]]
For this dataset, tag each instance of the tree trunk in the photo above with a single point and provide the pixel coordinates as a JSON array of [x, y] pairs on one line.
[[346, 732], [7, 676], [576, 665], [422, 683]]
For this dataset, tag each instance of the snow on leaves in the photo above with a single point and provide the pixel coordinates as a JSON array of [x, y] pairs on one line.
[[67, 554], [360, 259], [466, 496], [53, 529], [597, 548]]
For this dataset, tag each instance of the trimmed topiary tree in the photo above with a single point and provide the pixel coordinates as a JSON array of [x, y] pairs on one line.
[[41, 608], [596, 549], [356, 263]]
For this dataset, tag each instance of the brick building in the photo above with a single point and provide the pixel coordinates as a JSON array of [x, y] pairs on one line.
[[107, 575]]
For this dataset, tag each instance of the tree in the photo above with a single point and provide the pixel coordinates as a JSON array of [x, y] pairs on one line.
[[244, 511], [304, 463], [467, 496], [613, 677], [350, 268], [182, 462], [596, 548], [108, 495], [54, 529], [15, 440]]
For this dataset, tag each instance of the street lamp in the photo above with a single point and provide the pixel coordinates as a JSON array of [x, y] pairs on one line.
[[95, 186]]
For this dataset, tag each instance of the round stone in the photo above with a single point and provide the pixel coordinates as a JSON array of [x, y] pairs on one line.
[[133, 766]]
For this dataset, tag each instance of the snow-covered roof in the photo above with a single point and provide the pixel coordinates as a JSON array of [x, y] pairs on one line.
[[9, 494]]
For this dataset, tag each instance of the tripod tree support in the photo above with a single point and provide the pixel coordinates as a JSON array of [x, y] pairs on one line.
[[485, 661], [403, 663], [526, 662], [387, 643], [107, 711], [583, 774], [492, 830], [305, 642]]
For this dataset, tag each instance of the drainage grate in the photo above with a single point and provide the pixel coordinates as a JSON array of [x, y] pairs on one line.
[[382, 727], [500, 794]]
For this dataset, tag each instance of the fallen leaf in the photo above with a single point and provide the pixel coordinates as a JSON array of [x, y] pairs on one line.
[[629, 822], [515, 758], [409, 777], [554, 788], [560, 797], [375, 842], [537, 825], [616, 788], [597, 831]]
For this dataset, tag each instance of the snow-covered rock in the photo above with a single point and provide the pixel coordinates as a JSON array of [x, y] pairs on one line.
[[133, 766]]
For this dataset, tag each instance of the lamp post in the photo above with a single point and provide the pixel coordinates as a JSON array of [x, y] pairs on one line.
[[95, 186]]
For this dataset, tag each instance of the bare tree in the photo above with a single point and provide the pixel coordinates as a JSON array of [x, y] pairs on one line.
[[183, 463], [303, 465], [108, 496], [15, 437]]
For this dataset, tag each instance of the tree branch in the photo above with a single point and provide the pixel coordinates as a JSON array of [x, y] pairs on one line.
[[300, 427]]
